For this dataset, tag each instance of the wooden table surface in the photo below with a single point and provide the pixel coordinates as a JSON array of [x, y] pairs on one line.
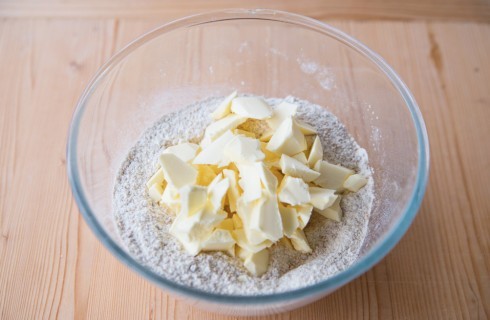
[[51, 265]]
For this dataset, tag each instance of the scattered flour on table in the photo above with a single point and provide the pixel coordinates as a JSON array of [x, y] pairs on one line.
[[143, 225]]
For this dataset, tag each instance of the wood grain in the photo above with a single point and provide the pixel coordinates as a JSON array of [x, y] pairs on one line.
[[51, 265]]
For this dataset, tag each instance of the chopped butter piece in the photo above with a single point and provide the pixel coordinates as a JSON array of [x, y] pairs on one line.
[[289, 220], [266, 219], [316, 152], [304, 214], [242, 242], [251, 107], [322, 198], [171, 198], [243, 254], [192, 199], [224, 108], [205, 174], [270, 157], [185, 151], [299, 241], [155, 192], [287, 139], [216, 129], [246, 210], [219, 239], [331, 176], [249, 182], [305, 128], [213, 153], [280, 113], [355, 182], [237, 222], [233, 191], [157, 178], [333, 212], [176, 171], [243, 149], [217, 192], [293, 191], [301, 157], [295, 168], [268, 179], [257, 263]]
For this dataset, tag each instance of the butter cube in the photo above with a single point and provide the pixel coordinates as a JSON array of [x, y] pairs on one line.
[[266, 219], [257, 263], [280, 113], [233, 191], [267, 178], [157, 178], [205, 174], [244, 133], [217, 192], [293, 191], [355, 182], [316, 153], [155, 192], [226, 224], [289, 219], [237, 222], [295, 168], [243, 150], [171, 198], [322, 198], [299, 241], [249, 182], [192, 199], [251, 107], [216, 129], [305, 128], [304, 214], [246, 210], [213, 153], [333, 212], [219, 239], [176, 171], [301, 157], [224, 108], [287, 139], [242, 242], [331, 176], [185, 151]]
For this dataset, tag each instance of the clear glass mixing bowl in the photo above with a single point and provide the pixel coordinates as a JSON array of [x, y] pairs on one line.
[[264, 52]]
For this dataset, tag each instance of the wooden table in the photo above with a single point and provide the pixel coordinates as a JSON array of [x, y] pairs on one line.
[[51, 265]]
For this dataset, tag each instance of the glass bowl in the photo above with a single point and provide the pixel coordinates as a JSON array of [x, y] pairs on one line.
[[264, 52]]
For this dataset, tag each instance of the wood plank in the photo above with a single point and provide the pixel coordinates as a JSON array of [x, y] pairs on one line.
[[50, 259], [474, 10]]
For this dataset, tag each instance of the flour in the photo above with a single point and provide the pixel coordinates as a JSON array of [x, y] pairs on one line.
[[143, 225]]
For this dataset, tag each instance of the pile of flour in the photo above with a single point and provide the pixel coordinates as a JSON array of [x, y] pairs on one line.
[[143, 225]]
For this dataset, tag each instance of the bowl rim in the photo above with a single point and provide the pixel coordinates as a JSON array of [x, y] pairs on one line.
[[373, 256]]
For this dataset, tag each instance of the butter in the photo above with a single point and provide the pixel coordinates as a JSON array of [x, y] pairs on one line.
[[237, 222], [157, 178], [217, 192], [171, 198], [333, 212], [301, 157], [219, 239], [246, 210], [322, 198], [270, 157], [305, 128], [242, 242], [176, 171], [155, 192], [185, 151], [295, 168], [226, 224], [355, 182], [277, 173], [257, 263], [233, 191], [192, 199], [287, 139], [289, 219], [316, 153], [293, 191], [331, 176], [216, 129], [299, 241], [266, 219], [251, 107], [205, 174], [242, 149], [304, 214], [280, 113], [249, 182], [224, 108], [213, 153], [267, 178]]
